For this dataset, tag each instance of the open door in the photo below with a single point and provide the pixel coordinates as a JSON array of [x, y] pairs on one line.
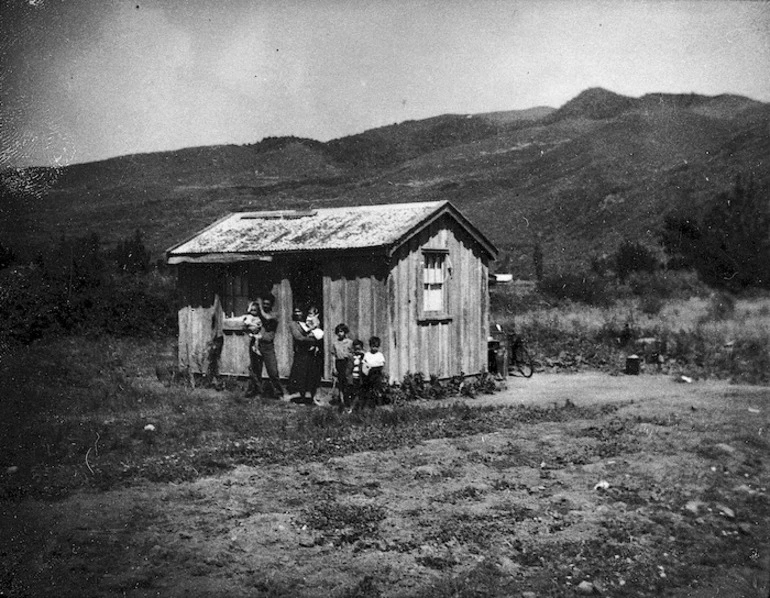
[[306, 282]]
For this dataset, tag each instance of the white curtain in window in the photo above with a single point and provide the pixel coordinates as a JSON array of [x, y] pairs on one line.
[[433, 282]]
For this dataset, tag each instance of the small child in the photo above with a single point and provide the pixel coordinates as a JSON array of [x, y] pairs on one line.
[[314, 316], [312, 323], [253, 323], [342, 353], [372, 370], [354, 376]]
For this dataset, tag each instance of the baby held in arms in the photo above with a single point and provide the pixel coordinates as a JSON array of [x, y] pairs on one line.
[[253, 324], [312, 324]]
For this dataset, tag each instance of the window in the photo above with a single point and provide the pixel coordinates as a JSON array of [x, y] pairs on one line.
[[235, 291], [433, 281]]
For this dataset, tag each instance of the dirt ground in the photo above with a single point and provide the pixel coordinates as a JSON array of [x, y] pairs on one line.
[[662, 489]]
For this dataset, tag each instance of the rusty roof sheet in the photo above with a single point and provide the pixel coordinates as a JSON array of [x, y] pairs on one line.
[[358, 227]]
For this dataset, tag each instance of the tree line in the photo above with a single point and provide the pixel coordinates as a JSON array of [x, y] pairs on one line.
[[79, 286], [728, 246]]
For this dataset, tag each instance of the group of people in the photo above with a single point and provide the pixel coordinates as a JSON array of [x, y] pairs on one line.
[[358, 374]]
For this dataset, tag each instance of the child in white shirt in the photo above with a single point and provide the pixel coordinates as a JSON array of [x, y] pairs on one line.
[[372, 367]]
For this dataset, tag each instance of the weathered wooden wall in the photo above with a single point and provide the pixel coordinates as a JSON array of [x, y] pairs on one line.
[[355, 294], [234, 359], [372, 295], [198, 328], [202, 284], [444, 346]]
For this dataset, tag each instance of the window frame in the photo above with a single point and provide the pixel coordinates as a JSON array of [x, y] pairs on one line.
[[234, 287], [436, 315]]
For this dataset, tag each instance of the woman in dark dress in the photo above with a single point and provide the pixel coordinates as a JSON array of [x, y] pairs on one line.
[[307, 366]]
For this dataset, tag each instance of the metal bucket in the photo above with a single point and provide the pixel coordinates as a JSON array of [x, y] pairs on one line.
[[633, 364]]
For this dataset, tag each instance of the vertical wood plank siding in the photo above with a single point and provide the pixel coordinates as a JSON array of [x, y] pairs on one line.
[[198, 326], [373, 296], [442, 347], [284, 347], [355, 293]]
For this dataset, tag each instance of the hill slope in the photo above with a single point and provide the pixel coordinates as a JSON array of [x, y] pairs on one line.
[[579, 179]]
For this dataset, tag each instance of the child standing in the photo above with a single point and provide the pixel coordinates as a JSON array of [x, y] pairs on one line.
[[354, 376], [372, 368], [342, 353]]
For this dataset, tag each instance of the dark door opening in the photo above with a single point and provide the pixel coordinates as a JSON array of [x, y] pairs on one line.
[[306, 286]]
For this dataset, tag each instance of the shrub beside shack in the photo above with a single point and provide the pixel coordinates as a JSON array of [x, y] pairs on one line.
[[414, 274]]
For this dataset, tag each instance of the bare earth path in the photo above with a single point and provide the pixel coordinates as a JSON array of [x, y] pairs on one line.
[[647, 487], [593, 388]]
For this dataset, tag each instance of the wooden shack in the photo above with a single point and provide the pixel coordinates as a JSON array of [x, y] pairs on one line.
[[414, 274]]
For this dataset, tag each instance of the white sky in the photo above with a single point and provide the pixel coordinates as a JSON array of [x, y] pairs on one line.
[[83, 80]]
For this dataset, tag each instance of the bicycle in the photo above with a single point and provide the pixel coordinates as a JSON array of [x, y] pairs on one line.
[[521, 361], [508, 354]]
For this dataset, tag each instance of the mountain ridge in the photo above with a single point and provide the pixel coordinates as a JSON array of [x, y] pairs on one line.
[[577, 179]]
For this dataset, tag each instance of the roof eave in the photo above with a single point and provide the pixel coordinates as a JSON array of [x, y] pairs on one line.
[[196, 234], [267, 256], [446, 207]]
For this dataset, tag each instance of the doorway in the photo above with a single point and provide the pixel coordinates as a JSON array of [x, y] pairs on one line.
[[306, 280]]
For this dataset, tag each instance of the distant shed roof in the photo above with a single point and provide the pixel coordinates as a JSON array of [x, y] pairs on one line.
[[245, 235]]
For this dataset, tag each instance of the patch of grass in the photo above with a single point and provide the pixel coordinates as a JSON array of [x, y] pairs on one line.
[[366, 588], [465, 493], [484, 579], [343, 523], [268, 587]]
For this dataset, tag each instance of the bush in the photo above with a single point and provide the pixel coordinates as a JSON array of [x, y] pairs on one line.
[[414, 387], [131, 256], [651, 304], [73, 290], [582, 287], [633, 257], [7, 256], [730, 245], [721, 307], [515, 298], [667, 284]]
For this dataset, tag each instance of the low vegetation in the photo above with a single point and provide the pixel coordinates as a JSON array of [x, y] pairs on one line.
[[695, 304], [81, 287], [715, 336], [210, 493], [86, 422], [730, 245]]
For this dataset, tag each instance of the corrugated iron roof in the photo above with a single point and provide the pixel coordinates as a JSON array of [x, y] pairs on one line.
[[358, 227]]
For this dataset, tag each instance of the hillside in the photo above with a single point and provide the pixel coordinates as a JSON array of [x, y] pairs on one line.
[[579, 179]]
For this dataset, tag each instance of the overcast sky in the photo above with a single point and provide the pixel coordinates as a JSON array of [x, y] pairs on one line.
[[84, 80]]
